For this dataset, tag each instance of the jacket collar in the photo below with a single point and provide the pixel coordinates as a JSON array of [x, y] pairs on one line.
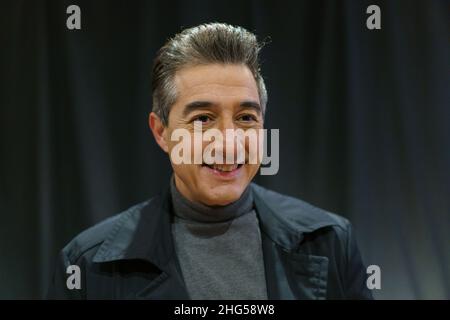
[[145, 231], [143, 234], [286, 220]]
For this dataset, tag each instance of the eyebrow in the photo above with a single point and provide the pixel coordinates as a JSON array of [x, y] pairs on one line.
[[196, 105], [251, 105]]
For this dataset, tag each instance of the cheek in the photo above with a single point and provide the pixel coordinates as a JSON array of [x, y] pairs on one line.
[[252, 169], [254, 151], [189, 173]]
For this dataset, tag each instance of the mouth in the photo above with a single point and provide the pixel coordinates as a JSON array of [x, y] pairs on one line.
[[223, 170]]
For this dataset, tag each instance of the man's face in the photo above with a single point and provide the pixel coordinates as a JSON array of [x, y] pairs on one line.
[[221, 97]]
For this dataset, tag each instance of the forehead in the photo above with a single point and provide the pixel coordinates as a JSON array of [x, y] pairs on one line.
[[215, 81]]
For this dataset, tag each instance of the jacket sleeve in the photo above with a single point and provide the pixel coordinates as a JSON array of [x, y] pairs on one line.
[[356, 274], [58, 289]]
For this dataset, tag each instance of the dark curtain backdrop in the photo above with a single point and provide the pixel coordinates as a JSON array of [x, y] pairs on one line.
[[363, 118]]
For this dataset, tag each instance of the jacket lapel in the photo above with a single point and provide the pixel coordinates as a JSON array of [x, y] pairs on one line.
[[289, 274], [146, 236], [169, 285]]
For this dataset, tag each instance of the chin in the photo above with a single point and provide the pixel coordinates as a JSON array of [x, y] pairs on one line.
[[223, 196]]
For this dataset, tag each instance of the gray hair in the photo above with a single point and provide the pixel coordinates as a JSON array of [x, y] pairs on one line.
[[204, 44]]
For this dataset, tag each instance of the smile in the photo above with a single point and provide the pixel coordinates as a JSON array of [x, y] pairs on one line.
[[224, 167], [223, 170]]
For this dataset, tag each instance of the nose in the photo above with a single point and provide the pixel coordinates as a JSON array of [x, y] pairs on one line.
[[231, 146]]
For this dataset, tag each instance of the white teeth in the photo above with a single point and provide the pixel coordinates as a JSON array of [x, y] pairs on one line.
[[226, 168]]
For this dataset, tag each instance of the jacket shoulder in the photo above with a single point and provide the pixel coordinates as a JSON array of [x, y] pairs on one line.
[[93, 237], [298, 214]]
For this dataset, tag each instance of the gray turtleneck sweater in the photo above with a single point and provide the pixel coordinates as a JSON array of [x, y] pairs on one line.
[[219, 248]]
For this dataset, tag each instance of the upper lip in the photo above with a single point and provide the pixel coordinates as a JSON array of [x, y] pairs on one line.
[[223, 167]]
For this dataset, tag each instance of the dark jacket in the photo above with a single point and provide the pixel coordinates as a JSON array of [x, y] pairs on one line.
[[308, 254]]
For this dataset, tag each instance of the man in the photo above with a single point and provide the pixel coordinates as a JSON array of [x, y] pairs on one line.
[[213, 234]]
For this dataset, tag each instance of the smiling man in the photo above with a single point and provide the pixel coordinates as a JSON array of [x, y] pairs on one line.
[[213, 234], [216, 96]]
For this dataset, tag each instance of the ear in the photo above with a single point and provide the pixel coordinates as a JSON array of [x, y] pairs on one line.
[[158, 130]]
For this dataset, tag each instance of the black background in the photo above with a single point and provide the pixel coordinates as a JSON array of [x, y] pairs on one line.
[[363, 118]]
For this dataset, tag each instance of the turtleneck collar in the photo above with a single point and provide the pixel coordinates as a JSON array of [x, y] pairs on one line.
[[198, 212]]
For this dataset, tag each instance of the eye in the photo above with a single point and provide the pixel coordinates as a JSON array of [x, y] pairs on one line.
[[202, 118], [247, 118]]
